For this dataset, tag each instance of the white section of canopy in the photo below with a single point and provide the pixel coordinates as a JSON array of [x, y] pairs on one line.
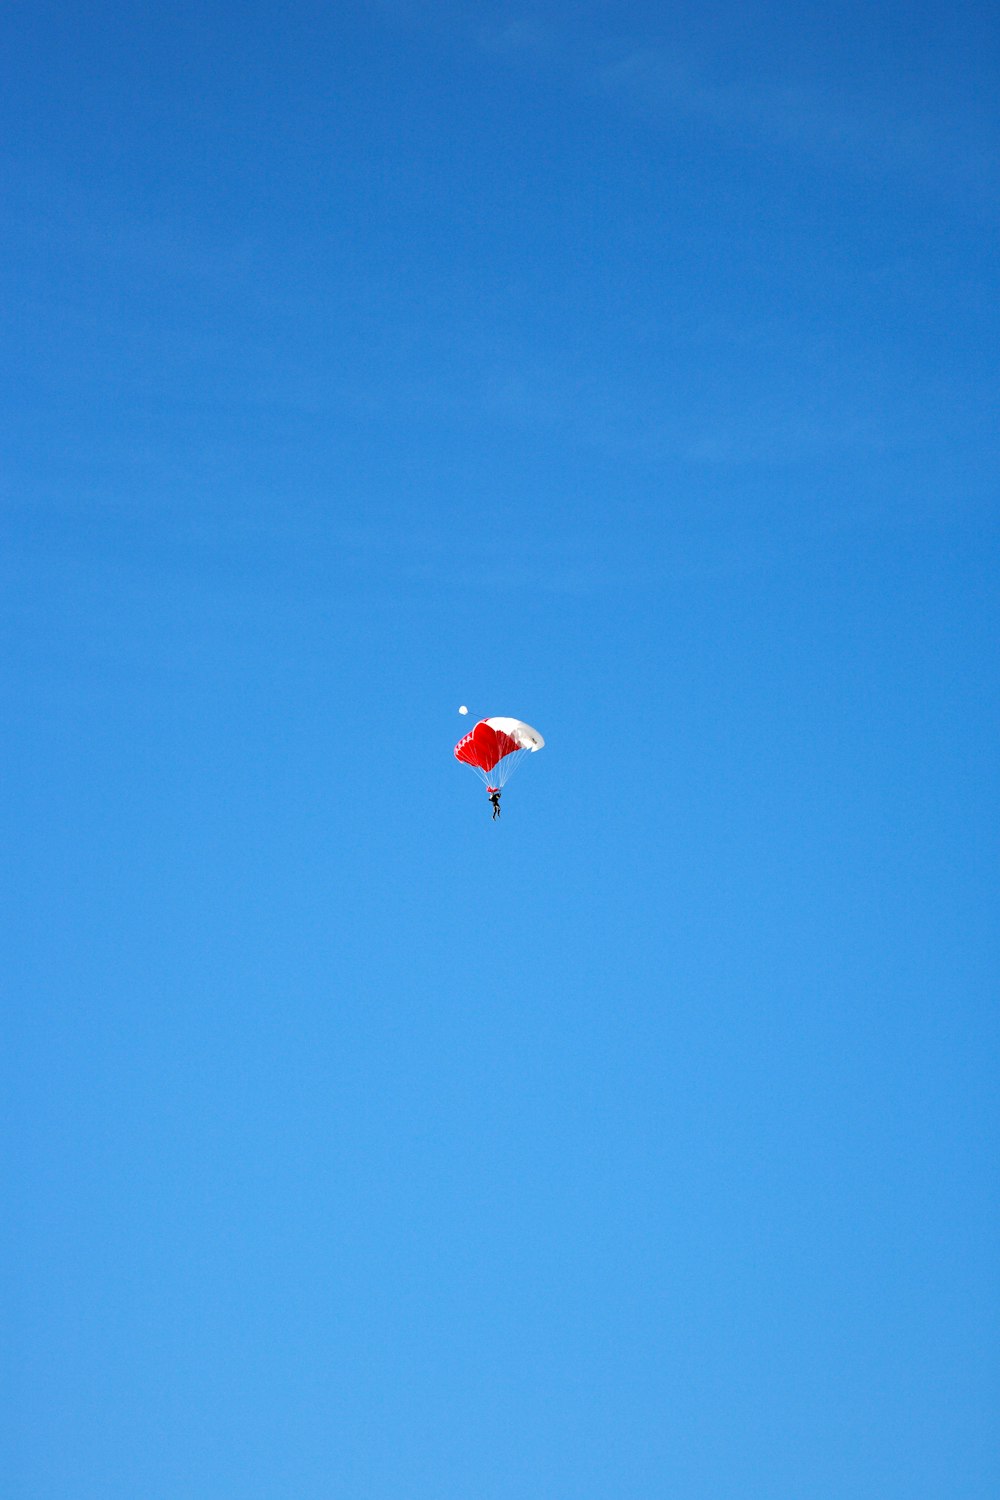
[[520, 732]]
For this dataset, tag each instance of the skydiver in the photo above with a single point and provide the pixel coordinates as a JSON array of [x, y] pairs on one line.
[[495, 799]]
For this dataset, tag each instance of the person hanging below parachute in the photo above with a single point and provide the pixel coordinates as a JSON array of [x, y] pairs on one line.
[[494, 748]]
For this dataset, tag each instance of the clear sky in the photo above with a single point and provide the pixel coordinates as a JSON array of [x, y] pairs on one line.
[[631, 370]]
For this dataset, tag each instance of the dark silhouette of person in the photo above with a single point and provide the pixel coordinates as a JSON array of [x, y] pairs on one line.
[[495, 799]]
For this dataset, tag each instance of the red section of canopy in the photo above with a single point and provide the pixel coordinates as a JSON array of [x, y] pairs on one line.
[[483, 746]]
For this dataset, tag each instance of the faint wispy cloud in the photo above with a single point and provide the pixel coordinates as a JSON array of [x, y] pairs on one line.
[[875, 133], [495, 29], [864, 133], [514, 36], [752, 425], [570, 568]]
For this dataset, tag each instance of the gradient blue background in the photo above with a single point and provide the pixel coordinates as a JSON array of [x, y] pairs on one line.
[[631, 370]]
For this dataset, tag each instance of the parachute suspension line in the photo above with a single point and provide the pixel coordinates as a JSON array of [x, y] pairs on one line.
[[505, 768], [502, 771]]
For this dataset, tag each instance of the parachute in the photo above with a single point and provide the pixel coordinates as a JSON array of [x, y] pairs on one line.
[[494, 748]]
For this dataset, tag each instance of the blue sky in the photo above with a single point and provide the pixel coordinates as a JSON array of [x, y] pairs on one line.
[[628, 370]]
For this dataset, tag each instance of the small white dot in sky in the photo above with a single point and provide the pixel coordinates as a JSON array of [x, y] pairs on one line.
[[463, 709]]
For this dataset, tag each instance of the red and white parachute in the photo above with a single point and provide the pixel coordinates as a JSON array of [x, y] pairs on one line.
[[494, 749]]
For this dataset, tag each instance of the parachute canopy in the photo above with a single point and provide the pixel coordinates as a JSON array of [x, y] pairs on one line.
[[494, 748]]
